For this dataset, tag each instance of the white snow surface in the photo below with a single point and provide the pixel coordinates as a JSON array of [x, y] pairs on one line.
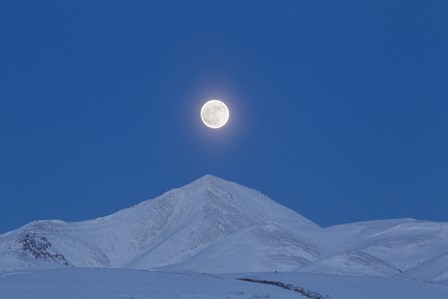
[[215, 226], [95, 283]]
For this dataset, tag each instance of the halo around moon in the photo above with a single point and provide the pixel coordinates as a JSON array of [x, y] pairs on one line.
[[214, 114]]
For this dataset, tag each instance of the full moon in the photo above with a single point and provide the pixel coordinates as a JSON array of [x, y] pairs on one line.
[[214, 114]]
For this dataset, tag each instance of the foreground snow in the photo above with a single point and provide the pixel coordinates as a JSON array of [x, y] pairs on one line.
[[356, 287], [120, 283]]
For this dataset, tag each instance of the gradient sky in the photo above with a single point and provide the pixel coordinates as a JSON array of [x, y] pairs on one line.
[[338, 108]]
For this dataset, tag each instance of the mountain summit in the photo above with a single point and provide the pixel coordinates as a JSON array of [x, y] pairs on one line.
[[215, 226]]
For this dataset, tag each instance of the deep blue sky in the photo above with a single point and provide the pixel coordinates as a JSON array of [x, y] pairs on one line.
[[338, 108]]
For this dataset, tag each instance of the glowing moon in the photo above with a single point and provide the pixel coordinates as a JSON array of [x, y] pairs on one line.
[[214, 114]]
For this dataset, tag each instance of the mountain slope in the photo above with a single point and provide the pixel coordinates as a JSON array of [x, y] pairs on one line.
[[355, 263], [267, 247]]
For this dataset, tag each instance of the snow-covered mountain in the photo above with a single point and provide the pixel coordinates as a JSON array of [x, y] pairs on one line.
[[216, 226], [209, 225]]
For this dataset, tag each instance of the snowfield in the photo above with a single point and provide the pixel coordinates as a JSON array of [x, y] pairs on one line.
[[218, 227], [94, 283], [120, 283]]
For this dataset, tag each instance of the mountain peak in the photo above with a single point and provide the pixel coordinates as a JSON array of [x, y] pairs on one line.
[[209, 179]]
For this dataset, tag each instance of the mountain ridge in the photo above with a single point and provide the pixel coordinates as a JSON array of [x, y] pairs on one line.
[[215, 226]]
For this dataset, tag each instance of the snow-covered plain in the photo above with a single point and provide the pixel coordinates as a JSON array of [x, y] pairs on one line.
[[94, 283], [218, 227], [97, 283]]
